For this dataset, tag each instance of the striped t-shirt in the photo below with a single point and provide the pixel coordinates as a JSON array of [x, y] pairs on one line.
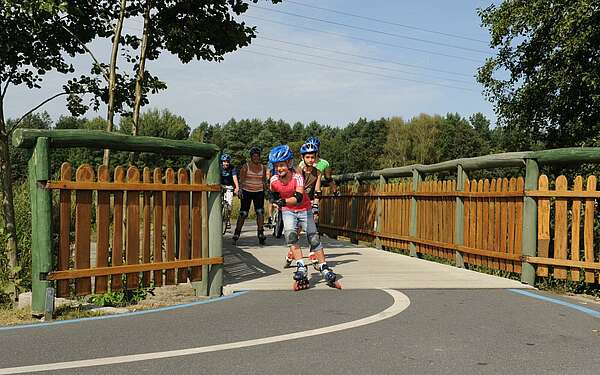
[[254, 181], [287, 190]]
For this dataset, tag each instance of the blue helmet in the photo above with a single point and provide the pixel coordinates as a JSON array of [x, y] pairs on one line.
[[254, 151], [226, 157], [309, 148], [280, 153], [315, 141]]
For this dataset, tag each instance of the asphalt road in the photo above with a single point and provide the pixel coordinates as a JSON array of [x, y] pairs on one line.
[[475, 331]]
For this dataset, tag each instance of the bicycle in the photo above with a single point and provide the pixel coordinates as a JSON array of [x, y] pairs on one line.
[[226, 207]]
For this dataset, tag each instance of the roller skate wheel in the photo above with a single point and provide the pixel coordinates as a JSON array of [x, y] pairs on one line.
[[337, 284]]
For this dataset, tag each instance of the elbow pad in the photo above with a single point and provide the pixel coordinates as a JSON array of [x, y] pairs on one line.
[[299, 197], [318, 194]]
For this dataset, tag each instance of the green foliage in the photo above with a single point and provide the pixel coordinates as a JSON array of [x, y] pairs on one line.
[[567, 286], [27, 25], [210, 28], [18, 156], [544, 79], [121, 298], [163, 124], [22, 271]]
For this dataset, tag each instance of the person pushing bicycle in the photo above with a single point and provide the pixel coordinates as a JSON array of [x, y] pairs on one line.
[[229, 184]]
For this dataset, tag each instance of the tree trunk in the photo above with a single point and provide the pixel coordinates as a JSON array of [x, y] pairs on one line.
[[8, 207], [141, 70], [139, 81], [112, 81]]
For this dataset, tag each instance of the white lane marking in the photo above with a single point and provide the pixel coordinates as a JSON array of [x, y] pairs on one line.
[[401, 302]]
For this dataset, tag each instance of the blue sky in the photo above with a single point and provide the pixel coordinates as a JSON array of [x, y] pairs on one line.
[[262, 80]]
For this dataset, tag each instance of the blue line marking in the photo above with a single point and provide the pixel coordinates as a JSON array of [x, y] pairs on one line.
[[122, 315], [585, 310]]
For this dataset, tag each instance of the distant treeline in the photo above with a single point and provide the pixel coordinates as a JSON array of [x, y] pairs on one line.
[[359, 146]]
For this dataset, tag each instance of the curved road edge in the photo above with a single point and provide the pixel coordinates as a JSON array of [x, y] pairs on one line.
[[401, 302]]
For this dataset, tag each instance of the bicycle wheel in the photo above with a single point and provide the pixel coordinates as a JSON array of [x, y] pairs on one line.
[[278, 231], [225, 214], [274, 218]]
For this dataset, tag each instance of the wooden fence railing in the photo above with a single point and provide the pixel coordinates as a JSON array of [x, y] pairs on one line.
[[136, 234], [142, 227], [487, 231]]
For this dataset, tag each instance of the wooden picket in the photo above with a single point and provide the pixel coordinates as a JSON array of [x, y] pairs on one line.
[[566, 259], [83, 225], [135, 250]]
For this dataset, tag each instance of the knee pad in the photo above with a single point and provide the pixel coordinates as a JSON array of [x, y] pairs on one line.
[[291, 237], [260, 211], [314, 241], [243, 214]]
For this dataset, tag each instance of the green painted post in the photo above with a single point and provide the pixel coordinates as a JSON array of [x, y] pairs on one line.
[[416, 180], [41, 225], [532, 174], [201, 287], [354, 212], [215, 226], [379, 214], [459, 216]]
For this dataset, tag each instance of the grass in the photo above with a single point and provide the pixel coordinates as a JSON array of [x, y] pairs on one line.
[[9, 316], [75, 312]]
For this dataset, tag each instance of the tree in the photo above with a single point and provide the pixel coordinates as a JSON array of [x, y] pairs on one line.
[[397, 148], [458, 139], [210, 28], [78, 155], [163, 124], [544, 79], [36, 36], [18, 156], [425, 130]]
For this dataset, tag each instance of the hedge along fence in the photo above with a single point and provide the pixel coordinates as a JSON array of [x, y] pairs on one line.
[[516, 225], [140, 230]]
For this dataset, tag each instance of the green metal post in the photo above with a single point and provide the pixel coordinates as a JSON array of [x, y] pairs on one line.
[[532, 174], [354, 212], [459, 216], [215, 224], [416, 180], [379, 214], [41, 225]]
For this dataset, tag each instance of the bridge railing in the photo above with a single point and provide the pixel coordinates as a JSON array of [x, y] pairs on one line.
[[136, 229], [518, 225]]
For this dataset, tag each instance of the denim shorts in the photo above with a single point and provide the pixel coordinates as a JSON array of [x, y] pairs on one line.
[[292, 220]]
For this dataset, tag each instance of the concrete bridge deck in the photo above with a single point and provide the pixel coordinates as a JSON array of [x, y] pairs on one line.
[[249, 266]]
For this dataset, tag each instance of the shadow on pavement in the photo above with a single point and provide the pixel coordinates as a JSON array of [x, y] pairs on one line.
[[243, 266]]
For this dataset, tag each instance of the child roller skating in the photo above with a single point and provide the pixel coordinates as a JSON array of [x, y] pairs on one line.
[[287, 189]]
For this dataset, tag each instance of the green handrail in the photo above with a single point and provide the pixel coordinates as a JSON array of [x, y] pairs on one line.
[[509, 159]]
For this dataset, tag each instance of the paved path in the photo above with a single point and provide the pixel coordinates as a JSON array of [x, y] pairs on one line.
[[457, 323], [252, 267]]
